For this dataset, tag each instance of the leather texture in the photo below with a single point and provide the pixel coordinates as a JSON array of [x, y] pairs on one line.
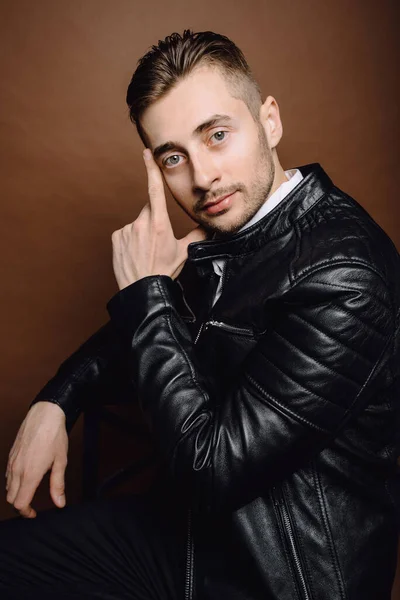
[[278, 408]]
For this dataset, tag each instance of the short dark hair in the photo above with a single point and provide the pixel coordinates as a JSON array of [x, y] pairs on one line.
[[178, 55]]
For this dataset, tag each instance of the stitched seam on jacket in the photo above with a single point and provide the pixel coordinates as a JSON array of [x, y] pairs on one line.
[[347, 411], [371, 374], [343, 262], [312, 206], [309, 391], [354, 383], [285, 409], [368, 362], [363, 323], [326, 523], [351, 289]]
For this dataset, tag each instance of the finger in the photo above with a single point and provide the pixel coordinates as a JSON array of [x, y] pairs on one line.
[[8, 470], [13, 484], [24, 497], [27, 512], [9, 462], [57, 483], [158, 202], [8, 482]]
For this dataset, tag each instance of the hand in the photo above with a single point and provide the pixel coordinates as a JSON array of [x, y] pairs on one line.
[[148, 245], [41, 444]]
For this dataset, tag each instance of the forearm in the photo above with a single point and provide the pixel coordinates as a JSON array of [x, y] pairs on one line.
[[95, 373]]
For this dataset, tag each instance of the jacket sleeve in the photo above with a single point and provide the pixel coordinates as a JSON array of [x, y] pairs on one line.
[[316, 367], [95, 373]]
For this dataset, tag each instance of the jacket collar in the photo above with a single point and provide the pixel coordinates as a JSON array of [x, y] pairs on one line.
[[308, 192]]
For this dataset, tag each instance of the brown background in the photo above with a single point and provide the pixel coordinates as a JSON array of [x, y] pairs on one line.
[[71, 167]]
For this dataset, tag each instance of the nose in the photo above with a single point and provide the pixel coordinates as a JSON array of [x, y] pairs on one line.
[[205, 170]]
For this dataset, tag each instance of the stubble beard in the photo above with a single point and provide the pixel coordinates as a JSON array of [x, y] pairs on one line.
[[253, 198]]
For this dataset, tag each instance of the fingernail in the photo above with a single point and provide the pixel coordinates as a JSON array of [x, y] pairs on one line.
[[146, 153]]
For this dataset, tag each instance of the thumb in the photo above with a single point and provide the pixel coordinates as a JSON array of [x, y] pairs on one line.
[[57, 484]]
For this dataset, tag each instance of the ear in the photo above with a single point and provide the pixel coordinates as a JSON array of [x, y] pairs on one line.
[[271, 121]]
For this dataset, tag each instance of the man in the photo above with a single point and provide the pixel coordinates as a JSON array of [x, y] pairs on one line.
[[263, 351]]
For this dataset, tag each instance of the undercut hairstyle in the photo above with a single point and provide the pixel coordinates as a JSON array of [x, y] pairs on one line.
[[175, 57]]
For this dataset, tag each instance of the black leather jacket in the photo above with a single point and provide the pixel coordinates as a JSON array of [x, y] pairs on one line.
[[278, 408]]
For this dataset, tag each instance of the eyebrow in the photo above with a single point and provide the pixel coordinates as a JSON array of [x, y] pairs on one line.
[[214, 120]]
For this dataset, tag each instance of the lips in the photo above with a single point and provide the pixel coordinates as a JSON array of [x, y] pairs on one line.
[[217, 205]]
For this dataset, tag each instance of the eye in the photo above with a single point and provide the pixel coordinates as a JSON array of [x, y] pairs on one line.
[[172, 161], [219, 136]]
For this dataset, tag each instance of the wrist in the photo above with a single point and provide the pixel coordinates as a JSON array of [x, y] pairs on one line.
[[50, 407]]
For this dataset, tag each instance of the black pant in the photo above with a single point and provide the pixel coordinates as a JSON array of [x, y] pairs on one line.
[[132, 547]]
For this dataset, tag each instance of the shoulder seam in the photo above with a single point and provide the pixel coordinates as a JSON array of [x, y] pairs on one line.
[[313, 269]]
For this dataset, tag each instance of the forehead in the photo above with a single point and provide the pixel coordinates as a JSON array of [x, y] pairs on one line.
[[190, 102]]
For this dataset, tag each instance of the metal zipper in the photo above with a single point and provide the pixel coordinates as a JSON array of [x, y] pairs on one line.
[[221, 325], [199, 332], [280, 504], [189, 560], [230, 328]]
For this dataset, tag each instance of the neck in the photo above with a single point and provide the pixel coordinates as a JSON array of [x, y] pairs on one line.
[[279, 176]]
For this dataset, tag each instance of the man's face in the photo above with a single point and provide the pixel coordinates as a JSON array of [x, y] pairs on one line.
[[209, 148]]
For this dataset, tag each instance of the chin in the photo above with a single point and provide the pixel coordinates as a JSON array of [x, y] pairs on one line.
[[226, 229]]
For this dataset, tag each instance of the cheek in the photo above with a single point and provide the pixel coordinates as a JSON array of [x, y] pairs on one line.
[[179, 188], [175, 181], [242, 156]]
